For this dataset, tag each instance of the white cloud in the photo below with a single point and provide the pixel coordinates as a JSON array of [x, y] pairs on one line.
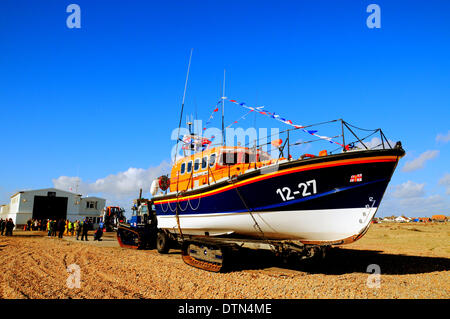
[[444, 138], [420, 161], [117, 186], [410, 199], [429, 205], [408, 190], [445, 180]]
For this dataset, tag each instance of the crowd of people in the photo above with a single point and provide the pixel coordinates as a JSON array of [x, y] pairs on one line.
[[36, 224], [55, 227], [6, 227], [66, 227]]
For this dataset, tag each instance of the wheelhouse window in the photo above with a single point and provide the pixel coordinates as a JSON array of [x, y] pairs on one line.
[[212, 160], [189, 167], [204, 162], [183, 168], [229, 158], [235, 157], [245, 157], [196, 164]]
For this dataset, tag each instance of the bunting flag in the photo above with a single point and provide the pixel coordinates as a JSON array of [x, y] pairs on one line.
[[216, 109], [261, 110], [242, 117]]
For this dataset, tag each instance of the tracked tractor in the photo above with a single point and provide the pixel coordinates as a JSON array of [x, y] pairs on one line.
[[140, 231]]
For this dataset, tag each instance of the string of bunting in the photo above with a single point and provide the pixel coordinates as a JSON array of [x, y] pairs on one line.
[[216, 109], [261, 110], [242, 117]]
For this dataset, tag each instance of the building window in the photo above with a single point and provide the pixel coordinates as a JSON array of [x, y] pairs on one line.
[[91, 205]]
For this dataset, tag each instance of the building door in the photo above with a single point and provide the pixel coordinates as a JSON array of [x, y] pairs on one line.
[[50, 207]]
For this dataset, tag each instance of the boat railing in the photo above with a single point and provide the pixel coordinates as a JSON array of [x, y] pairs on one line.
[[351, 142]]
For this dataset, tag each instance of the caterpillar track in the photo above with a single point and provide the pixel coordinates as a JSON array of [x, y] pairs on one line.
[[204, 256], [128, 237], [135, 238]]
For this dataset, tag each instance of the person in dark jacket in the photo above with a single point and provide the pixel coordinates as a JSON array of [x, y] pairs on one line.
[[53, 226], [2, 226], [98, 233], [9, 227], [61, 227], [85, 229]]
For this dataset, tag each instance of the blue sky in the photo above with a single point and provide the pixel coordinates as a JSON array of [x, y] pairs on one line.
[[100, 102]]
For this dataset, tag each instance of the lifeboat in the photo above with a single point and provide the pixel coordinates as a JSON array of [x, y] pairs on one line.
[[328, 199]]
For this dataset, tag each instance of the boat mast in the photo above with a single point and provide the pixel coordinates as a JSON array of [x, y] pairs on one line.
[[182, 105], [223, 109]]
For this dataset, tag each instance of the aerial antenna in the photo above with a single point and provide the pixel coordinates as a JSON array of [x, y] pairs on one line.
[[223, 108], [78, 178], [196, 118], [182, 104], [189, 123]]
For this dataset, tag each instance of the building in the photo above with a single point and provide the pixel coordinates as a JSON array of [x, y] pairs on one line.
[[51, 203], [401, 219], [439, 218]]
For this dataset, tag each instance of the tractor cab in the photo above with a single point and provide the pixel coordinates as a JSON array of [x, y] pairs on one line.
[[112, 216], [143, 213]]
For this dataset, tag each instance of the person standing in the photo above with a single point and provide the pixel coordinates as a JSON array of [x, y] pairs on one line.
[[54, 227], [9, 227], [70, 228], [78, 228], [85, 229], [61, 228], [49, 229], [2, 226]]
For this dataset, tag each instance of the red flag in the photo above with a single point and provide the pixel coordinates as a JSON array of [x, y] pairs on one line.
[[216, 110], [232, 100]]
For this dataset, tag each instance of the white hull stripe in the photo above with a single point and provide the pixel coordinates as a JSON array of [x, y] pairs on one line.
[[308, 225]]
